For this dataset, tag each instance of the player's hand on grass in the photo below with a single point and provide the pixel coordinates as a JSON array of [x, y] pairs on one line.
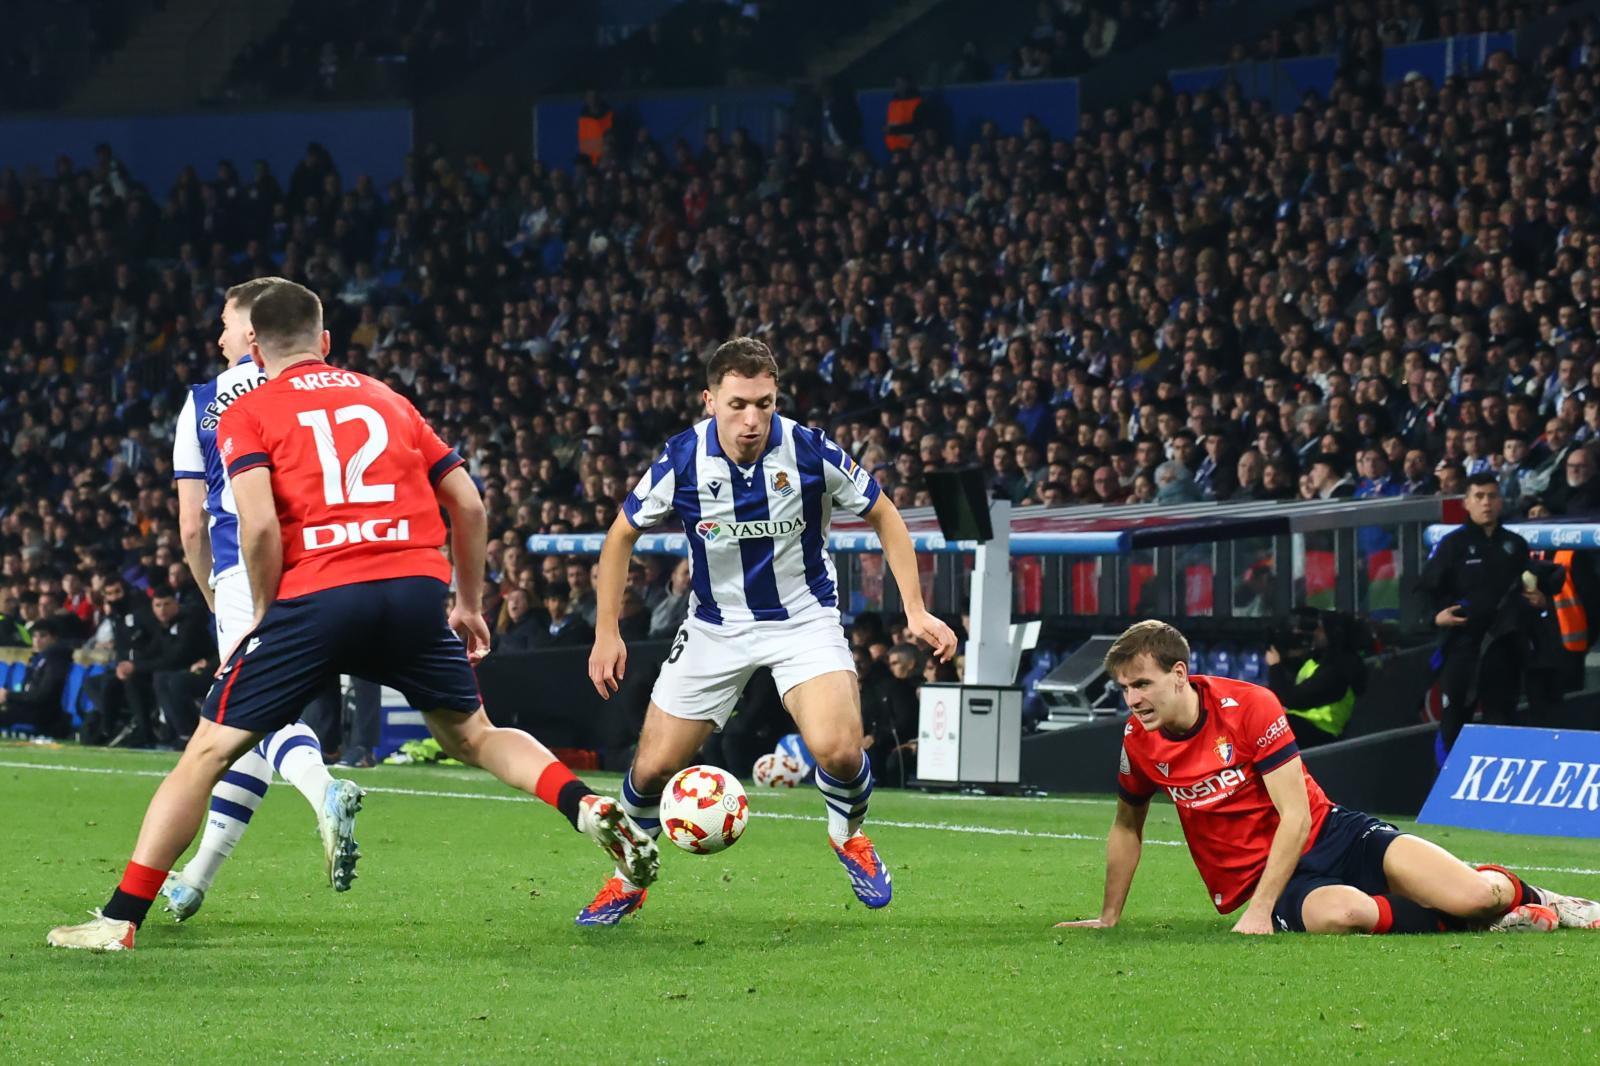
[[473, 631], [607, 663], [1254, 924], [1086, 923], [935, 634]]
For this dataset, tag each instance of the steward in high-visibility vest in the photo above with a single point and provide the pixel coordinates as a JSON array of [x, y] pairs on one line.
[[1570, 612], [900, 126], [1318, 686], [594, 122]]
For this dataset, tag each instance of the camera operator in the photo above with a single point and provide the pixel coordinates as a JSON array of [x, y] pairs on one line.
[[1474, 582], [1317, 672]]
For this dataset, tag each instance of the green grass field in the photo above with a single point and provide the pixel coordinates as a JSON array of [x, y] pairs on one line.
[[457, 943]]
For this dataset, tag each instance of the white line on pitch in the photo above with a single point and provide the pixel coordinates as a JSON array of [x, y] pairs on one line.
[[985, 830]]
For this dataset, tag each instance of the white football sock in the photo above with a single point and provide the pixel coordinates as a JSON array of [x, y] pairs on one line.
[[233, 802], [296, 754], [846, 800]]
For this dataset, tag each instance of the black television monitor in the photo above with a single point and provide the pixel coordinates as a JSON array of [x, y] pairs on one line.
[[961, 501]]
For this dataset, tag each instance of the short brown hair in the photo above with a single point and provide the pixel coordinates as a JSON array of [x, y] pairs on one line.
[[1160, 641], [744, 356], [287, 319], [246, 293]]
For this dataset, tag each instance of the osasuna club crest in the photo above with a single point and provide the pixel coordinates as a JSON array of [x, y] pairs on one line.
[[1224, 750]]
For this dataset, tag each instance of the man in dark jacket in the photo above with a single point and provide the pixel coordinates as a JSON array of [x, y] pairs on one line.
[[1474, 582], [123, 704], [178, 660], [889, 713], [566, 629], [38, 701]]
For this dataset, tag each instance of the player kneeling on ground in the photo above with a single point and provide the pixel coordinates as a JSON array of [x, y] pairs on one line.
[[1261, 831], [338, 483]]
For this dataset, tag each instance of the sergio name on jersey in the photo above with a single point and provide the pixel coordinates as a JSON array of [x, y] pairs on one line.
[[1213, 774], [757, 534], [194, 455]]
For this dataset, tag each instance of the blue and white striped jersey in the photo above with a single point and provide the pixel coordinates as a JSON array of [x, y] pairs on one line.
[[194, 455], [757, 535]]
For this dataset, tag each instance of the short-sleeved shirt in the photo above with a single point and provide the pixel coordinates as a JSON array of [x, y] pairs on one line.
[[1213, 773], [194, 455], [354, 469], [758, 534]]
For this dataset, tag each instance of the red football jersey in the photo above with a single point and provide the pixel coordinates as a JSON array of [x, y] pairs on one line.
[[1213, 773], [353, 472]]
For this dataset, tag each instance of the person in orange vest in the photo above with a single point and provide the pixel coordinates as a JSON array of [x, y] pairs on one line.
[[1561, 635], [901, 125], [594, 122]]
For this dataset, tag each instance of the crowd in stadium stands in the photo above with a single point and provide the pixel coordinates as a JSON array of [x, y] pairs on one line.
[[1195, 299], [1359, 31], [716, 42], [48, 45], [362, 49], [1070, 36]]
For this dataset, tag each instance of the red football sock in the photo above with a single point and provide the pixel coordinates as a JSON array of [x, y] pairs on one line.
[[1397, 914], [551, 781], [131, 901], [142, 882]]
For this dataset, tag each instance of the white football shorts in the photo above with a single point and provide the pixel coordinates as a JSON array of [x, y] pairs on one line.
[[709, 666], [235, 612]]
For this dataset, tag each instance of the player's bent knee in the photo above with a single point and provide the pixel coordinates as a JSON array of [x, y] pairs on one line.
[[1339, 909]]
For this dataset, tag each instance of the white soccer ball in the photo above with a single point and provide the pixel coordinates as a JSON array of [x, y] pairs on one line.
[[777, 770], [704, 810]]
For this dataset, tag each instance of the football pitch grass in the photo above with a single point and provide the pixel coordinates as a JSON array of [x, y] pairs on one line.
[[457, 943]]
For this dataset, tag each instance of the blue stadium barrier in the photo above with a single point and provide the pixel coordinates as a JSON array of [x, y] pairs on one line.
[[761, 112], [1545, 535], [1054, 102], [1282, 82], [73, 690], [157, 148]]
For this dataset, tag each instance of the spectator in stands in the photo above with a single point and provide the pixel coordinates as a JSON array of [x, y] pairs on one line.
[[1175, 484], [174, 665], [889, 711], [566, 628], [37, 702], [673, 608], [123, 700], [517, 629]]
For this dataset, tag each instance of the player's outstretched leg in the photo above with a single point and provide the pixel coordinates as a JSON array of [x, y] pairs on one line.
[[233, 803], [666, 745], [1572, 912], [523, 763], [827, 708], [296, 753], [1485, 897], [170, 824]]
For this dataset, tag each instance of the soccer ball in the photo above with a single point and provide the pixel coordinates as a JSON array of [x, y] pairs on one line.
[[777, 770], [704, 810]]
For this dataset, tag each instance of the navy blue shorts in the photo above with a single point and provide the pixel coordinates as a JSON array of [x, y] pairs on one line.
[[1348, 851], [393, 632]]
